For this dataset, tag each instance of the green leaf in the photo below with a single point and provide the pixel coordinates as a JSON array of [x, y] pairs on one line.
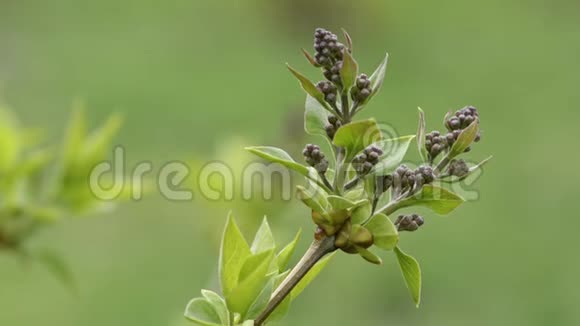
[[348, 39], [219, 305], [360, 214], [10, 140], [285, 254], [411, 273], [252, 279], [384, 232], [75, 136], [394, 151], [34, 163], [378, 76], [233, 254], [310, 88], [348, 72], [315, 117], [339, 203], [202, 312], [465, 139], [421, 133], [99, 141], [316, 202], [264, 239], [369, 256], [440, 200], [310, 58], [310, 276], [356, 136], [261, 301], [277, 155]]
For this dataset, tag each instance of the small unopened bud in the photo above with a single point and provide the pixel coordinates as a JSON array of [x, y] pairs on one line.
[[409, 223]]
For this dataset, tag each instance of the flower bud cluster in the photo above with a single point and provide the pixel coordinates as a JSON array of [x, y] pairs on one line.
[[332, 126], [315, 158], [365, 161], [362, 89], [409, 222]]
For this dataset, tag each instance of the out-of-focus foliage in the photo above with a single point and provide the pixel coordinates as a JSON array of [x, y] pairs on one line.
[[40, 183]]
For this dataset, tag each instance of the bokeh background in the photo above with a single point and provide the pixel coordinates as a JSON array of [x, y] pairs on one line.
[[198, 80]]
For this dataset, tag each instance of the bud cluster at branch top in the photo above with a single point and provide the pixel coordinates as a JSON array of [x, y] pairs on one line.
[[459, 121], [436, 142], [328, 48]]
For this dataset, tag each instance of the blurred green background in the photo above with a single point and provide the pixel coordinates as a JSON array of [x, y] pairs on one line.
[[198, 80]]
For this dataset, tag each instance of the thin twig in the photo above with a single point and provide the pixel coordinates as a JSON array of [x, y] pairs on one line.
[[318, 249]]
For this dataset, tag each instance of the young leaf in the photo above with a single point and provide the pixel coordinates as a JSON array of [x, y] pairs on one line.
[[99, 141], [465, 139], [316, 203], [310, 58], [394, 151], [285, 254], [276, 155], [369, 256], [356, 136], [421, 133], [202, 312], [385, 234], [261, 301], [264, 239], [310, 276], [75, 136], [315, 117], [411, 273], [218, 304], [348, 40], [252, 279], [310, 88], [348, 72], [233, 254], [361, 213], [378, 76], [440, 200], [339, 203], [10, 140]]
